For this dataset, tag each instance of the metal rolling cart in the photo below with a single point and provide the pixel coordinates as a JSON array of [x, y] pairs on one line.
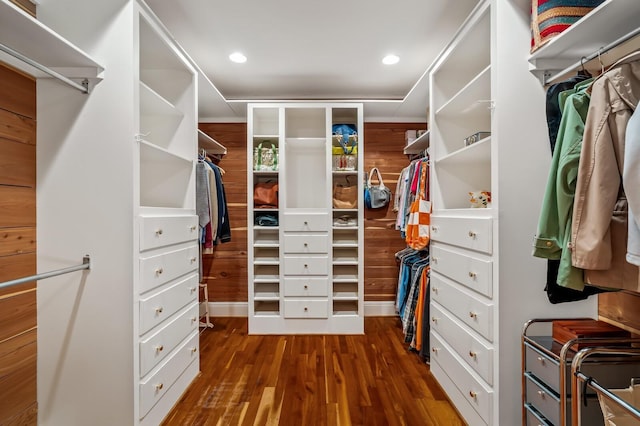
[[546, 379]]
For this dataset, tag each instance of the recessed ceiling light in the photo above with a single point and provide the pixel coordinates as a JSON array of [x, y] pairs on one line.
[[238, 58], [390, 60]]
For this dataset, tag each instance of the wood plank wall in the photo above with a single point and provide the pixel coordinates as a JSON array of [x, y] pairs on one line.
[[226, 269], [18, 328]]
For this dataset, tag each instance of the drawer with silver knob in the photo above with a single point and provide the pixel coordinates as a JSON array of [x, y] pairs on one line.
[[474, 233], [305, 222], [160, 231], [472, 272], [160, 306], [306, 308], [306, 243], [311, 286], [161, 268]]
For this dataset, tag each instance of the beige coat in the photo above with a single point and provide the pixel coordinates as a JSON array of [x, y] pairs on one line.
[[600, 211]]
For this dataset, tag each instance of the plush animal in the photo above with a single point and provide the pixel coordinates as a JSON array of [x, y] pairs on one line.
[[480, 199]]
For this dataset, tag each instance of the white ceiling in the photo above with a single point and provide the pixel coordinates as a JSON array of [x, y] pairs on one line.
[[313, 50]]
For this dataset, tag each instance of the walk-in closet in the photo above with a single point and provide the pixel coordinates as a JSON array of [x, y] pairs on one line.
[[281, 213]]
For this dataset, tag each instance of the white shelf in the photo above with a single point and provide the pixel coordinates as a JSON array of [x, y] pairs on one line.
[[608, 22], [346, 261], [266, 296], [338, 244], [418, 145], [266, 279], [479, 152], [345, 296], [345, 279], [476, 94], [209, 144], [265, 172], [30, 37], [151, 152], [266, 261], [152, 103]]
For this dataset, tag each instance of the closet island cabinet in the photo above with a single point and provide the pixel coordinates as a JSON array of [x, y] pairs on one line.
[[305, 251], [116, 180], [487, 134]]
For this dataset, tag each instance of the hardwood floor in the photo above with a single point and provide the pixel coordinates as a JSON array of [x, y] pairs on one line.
[[311, 380]]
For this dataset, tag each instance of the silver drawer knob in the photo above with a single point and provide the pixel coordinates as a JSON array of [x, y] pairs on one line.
[[194, 350], [434, 229], [193, 319], [434, 260], [472, 275], [435, 350], [192, 290], [473, 354], [159, 271], [473, 315], [306, 223], [306, 309], [306, 287], [541, 360], [472, 234], [159, 310], [435, 290], [158, 231], [159, 386], [193, 260], [159, 348], [193, 228], [306, 245], [434, 320], [473, 394], [542, 394]]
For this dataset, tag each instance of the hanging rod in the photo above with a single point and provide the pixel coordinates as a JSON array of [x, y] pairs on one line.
[[86, 264], [547, 79], [84, 87]]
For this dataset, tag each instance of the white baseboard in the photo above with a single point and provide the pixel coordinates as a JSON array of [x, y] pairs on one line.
[[241, 309], [380, 309]]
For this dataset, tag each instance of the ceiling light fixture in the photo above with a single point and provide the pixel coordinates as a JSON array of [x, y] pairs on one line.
[[238, 58], [390, 60]]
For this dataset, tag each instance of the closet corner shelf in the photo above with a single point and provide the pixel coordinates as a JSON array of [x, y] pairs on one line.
[[418, 145], [209, 144], [157, 154], [476, 94], [30, 37], [152, 103], [607, 23]]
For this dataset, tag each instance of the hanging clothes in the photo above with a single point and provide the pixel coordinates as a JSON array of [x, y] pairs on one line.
[[211, 205], [599, 231], [631, 182]]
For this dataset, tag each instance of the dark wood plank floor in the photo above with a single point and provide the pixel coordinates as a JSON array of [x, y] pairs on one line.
[[311, 380]]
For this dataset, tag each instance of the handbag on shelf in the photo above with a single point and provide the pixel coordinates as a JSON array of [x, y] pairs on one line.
[[265, 195], [378, 195], [265, 158], [417, 231], [345, 195]]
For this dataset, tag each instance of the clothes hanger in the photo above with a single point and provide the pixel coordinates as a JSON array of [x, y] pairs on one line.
[[583, 71]]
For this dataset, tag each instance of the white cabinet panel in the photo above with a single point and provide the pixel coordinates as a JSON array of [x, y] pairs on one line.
[[156, 347], [156, 385], [162, 268], [478, 354], [300, 265], [159, 307], [305, 222], [309, 286], [306, 308], [472, 233], [306, 243], [476, 313], [472, 272], [159, 231]]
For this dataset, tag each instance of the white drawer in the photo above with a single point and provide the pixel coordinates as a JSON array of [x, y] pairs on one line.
[[156, 347], [473, 312], [472, 233], [156, 385], [477, 274], [311, 286], [158, 231], [305, 243], [306, 308], [302, 265], [479, 395], [477, 354], [162, 268], [304, 222], [160, 306]]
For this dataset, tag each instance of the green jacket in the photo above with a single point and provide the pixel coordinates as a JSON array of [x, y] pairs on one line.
[[554, 227]]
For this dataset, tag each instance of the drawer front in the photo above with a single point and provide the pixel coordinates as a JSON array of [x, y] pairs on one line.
[[306, 243], [545, 368], [312, 286], [471, 233], [473, 312], [305, 222], [159, 269], [159, 307], [301, 265], [479, 395], [159, 231], [156, 347], [152, 389], [306, 308], [535, 419], [544, 401], [477, 354], [474, 273]]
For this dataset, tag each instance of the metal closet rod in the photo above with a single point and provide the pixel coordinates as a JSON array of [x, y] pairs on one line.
[[84, 87], [86, 264], [604, 49]]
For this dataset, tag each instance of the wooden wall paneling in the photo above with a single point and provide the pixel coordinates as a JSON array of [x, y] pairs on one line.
[[17, 163], [18, 367], [384, 143], [18, 206], [27, 6], [621, 308], [17, 128], [17, 92], [17, 241]]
